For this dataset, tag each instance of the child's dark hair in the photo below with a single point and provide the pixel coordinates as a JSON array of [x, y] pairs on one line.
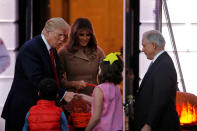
[[48, 89], [111, 72]]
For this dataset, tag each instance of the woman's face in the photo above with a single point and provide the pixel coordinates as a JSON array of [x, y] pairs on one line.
[[83, 37]]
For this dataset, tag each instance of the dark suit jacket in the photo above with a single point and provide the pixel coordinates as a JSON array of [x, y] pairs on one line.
[[155, 101], [33, 63]]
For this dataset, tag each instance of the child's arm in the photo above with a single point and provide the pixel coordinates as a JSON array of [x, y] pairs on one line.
[[86, 97], [63, 122], [26, 125], [98, 105]]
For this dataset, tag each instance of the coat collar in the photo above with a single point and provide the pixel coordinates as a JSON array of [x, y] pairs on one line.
[[150, 70], [45, 102], [80, 54], [46, 43], [44, 48]]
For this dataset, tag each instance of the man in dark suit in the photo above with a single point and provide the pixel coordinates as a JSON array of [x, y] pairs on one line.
[[33, 64], [155, 107]]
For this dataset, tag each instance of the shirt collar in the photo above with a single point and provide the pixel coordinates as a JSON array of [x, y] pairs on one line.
[[158, 54], [46, 43]]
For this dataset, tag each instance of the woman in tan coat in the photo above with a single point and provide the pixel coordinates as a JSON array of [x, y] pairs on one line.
[[80, 58]]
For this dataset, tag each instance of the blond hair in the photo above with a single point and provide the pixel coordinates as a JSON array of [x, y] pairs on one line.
[[55, 23]]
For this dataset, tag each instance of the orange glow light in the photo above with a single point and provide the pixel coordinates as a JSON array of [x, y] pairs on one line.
[[187, 113]]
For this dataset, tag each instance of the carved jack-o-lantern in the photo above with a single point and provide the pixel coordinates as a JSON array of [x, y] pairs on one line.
[[186, 106]]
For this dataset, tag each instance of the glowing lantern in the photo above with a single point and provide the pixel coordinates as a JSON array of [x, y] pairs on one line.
[[186, 106]]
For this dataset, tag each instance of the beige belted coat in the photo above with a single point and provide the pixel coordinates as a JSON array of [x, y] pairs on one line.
[[77, 66]]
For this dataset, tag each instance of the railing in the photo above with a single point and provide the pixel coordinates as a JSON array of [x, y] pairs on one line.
[[158, 12]]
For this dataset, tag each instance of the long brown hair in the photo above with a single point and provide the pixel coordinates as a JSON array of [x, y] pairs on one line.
[[73, 45]]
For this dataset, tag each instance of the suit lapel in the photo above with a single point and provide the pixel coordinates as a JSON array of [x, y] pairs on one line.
[[45, 52], [150, 70]]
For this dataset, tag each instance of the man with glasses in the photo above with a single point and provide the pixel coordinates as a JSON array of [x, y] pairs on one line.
[[155, 107], [36, 60]]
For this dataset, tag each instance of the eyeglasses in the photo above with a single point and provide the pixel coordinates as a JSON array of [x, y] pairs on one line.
[[65, 36]]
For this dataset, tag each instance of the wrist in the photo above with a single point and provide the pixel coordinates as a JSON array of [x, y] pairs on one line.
[[148, 127]]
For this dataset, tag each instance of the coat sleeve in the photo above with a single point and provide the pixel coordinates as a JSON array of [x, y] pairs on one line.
[[31, 65], [63, 122], [26, 125]]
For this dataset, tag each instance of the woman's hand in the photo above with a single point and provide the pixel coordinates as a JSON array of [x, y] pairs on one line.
[[72, 84], [146, 127], [80, 84]]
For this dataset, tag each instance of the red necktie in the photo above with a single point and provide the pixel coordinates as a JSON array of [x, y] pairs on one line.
[[54, 67]]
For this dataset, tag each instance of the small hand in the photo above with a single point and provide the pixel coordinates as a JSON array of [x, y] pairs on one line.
[[146, 127], [69, 96]]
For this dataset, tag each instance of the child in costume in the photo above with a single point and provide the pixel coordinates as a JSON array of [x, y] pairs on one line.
[[46, 115], [107, 113]]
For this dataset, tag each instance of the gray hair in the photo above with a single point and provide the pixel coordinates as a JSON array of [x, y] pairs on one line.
[[154, 36], [56, 23]]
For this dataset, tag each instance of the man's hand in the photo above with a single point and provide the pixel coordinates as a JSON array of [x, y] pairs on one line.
[[146, 127], [69, 96]]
